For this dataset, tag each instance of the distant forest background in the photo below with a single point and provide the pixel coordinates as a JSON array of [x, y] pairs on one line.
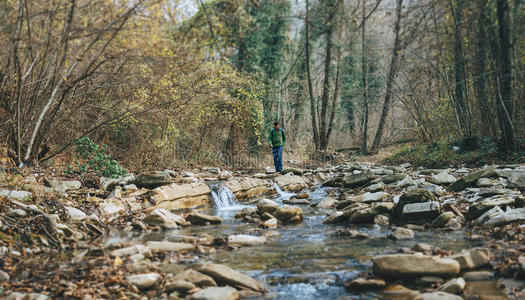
[[201, 82]]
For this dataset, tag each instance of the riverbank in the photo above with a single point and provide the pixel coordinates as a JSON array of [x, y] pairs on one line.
[[309, 233]]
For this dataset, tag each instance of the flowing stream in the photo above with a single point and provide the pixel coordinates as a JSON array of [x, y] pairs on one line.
[[307, 261]]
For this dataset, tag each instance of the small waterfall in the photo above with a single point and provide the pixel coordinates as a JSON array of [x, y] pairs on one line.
[[222, 196], [282, 194]]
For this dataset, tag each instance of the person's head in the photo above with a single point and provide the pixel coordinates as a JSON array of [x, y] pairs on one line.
[[276, 125]]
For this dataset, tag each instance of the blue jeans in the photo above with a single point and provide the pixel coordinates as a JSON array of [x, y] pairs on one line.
[[277, 153]]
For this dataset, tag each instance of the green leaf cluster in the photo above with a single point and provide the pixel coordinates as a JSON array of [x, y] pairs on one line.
[[92, 157]]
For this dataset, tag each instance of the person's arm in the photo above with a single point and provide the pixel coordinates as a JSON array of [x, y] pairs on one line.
[[284, 138], [270, 137]]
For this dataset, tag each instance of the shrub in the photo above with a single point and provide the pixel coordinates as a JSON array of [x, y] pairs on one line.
[[93, 158]]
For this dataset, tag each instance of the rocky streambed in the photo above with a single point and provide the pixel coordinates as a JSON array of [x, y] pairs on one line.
[[353, 231]]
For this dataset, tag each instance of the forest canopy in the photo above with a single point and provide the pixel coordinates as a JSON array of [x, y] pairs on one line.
[[161, 85]]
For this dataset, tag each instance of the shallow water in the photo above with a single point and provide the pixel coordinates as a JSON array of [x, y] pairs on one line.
[[306, 261]]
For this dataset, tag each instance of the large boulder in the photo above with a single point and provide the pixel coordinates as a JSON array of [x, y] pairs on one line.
[[471, 179], [517, 181], [168, 246], [164, 218], [335, 217], [266, 205], [246, 240], [62, 186], [326, 203], [367, 215], [361, 284], [197, 278], [248, 187], [75, 214], [197, 218], [421, 211], [401, 233], [453, 286], [216, 293], [472, 259], [438, 296], [16, 195], [351, 181], [291, 182], [111, 206], [227, 276], [398, 292], [414, 265], [488, 215], [479, 208], [153, 179], [414, 196], [442, 178], [181, 196], [394, 178], [373, 197], [377, 187], [144, 281], [509, 216], [443, 219], [289, 214]]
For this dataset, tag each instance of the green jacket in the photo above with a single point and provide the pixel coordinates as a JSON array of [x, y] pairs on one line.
[[277, 139]]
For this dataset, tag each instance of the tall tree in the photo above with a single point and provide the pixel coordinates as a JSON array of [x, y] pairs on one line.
[[323, 141], [506, 105], [364, 71], [459, 68], [313, 109], [480, 69], [392, 72]]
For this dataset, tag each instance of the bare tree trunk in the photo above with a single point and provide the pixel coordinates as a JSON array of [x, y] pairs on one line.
[[326, 81], [506, 105], [480, 70], [392, 72], [337, 83], [313, 110], [459, 67], [364, 71]]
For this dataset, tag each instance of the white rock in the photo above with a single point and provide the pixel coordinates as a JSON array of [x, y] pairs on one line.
[[144, 281], [168, 246], [326, 203], [132, 250], [246, 240], [17, 195], [269, 170], [270, 223], [442, 178], [165, 218], [4, 276], [216, 293], [75, 213], [111, 206], [374, 197], [17, 212]]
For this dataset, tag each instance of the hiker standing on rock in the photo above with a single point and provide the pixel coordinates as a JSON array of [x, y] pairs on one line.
[[277, 139]]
